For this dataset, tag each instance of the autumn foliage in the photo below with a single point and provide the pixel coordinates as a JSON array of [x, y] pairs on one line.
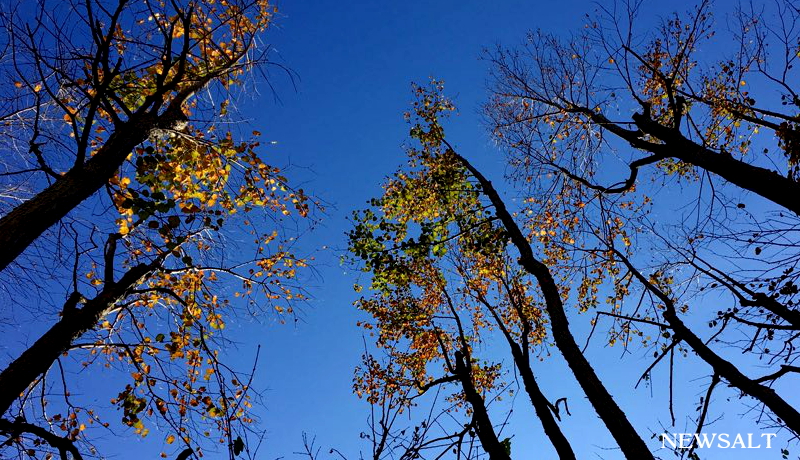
[[654, 187], [123, 108]]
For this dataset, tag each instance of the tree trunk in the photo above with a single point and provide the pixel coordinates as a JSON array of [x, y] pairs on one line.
[[788, 414], [20, 227], [38, 358], [483, 424], [768, 184], [542, 406], [631, 444]]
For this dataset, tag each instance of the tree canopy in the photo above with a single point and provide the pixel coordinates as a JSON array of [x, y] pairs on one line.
[[130, 208], [598, 130]]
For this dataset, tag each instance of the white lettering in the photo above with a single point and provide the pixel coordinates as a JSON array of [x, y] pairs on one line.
[[769, 439], [705, 442], [710, 440]]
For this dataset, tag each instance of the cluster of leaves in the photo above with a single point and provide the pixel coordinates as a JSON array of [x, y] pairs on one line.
[[184, 191], [441, 283], [405, 241]]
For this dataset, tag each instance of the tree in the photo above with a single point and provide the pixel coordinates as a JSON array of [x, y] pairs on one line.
[[418, 318], [661, 260], [723, 130], [127, 187], [437, 429], [437, 194]]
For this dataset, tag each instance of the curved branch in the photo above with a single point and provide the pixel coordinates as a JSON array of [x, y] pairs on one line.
[[619, 187], [64, 445], [782, 409], [702, 420]]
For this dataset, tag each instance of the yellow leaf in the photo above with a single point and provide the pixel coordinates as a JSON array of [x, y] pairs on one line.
[[123, 227], [170, 439]]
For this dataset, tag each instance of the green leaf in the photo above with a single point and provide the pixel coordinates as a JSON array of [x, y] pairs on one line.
[[506, 445]]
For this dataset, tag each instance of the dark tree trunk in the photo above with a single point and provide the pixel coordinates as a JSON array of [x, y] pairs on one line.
[[725, 369], [483, 424], [631, 444], [768, 184], [544, 409], [20, 227], [541, 405], [38, 358]]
